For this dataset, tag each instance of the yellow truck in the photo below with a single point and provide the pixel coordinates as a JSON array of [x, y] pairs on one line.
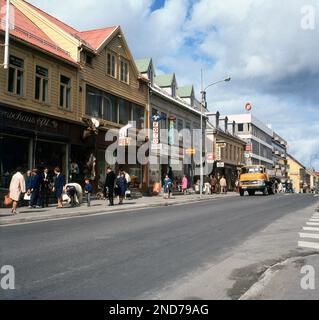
[[256, 179]]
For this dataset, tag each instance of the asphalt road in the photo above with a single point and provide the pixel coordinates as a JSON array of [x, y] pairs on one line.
[[126, 255]]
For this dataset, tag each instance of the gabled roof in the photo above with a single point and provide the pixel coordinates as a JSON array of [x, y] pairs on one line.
[[295, 160], [65, 27], [96, 38], [186, 91], [164, 80], [93, 38], [143, 64], [25, 30]]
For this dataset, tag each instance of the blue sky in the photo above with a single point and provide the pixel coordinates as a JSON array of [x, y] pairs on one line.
[[158, 4], [273, 61]]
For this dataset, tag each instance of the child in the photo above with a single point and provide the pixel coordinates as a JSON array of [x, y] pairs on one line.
[[88, 191]]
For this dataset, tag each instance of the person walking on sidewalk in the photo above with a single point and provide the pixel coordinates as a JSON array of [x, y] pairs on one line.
[[59, 183], [109, 185], [184, 184], [35, 188], [17, 186], [223, 185], [88, 189], [167, 187]]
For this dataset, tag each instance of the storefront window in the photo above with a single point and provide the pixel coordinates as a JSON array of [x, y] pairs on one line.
[[48, 154], [14, 152], [101, 105], [138, 116], [124, 111]]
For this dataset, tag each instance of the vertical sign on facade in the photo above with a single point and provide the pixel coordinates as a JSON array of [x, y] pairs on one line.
[[171, 132], [155, 132]]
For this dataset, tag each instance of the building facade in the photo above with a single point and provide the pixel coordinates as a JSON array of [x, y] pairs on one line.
[[59, 80], [280, 168], [258, 138], [227, 150], [174, 111], [296, 174]]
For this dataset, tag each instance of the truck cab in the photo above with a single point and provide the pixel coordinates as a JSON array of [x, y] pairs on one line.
[[253, 179]]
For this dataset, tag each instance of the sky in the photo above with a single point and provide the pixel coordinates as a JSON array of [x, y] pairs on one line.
[[268, 47]]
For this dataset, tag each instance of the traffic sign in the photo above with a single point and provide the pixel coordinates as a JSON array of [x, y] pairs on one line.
[[248, 106]]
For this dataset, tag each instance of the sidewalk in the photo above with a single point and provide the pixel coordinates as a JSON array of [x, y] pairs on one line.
[[26, 215]]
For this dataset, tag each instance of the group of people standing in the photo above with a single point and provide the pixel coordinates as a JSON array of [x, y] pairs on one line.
[[116, 185], [36, 187], [216, 184]]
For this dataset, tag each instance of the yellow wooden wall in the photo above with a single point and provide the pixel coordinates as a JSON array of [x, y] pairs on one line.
[[31, 58]]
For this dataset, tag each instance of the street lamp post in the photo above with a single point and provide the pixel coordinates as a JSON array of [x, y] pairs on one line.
[[203, 102]]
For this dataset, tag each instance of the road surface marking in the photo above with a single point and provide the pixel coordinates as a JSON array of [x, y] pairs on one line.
[[314, 220], [310, 245], [309, 235], [310, 229], [312, 223]]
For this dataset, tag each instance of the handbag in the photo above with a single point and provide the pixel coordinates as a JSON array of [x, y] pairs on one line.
[[27, 196], [7, 200]]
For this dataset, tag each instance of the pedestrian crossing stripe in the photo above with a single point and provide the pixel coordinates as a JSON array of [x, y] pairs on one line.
[[310, 229], [312, 223], [309, 245], [309, 235]]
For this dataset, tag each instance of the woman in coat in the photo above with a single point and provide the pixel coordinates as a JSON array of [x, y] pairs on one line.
[[167, 186], [121, 184], [184, 184], [59, 183], [17, 186]]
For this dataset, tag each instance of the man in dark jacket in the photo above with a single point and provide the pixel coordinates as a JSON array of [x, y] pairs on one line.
[[45, 187], [109, 185], [59, 183], [35, 188]]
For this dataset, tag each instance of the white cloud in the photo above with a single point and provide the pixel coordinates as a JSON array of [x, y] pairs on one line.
[[273, 62]]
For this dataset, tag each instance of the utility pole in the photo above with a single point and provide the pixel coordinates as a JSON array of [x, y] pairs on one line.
[[201, 138], [7, 36]]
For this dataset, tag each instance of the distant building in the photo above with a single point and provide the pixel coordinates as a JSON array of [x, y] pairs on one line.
[[280, 168], [258, 137], [227, 149], [296, 173], [178, 109]]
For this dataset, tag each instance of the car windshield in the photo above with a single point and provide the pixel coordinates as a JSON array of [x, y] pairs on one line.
[[252, 170]]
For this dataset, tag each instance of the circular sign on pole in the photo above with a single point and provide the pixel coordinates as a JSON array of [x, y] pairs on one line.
[[248, 106]]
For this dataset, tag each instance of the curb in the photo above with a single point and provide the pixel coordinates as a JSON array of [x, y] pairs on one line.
[[62, 216]]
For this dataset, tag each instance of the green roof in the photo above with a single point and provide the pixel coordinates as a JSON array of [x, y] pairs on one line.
[[164, 80], [185, 92], [143, 64]]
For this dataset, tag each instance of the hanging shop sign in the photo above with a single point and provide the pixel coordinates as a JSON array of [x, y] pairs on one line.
[[171, 129], [210, 157], [155, 132]]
